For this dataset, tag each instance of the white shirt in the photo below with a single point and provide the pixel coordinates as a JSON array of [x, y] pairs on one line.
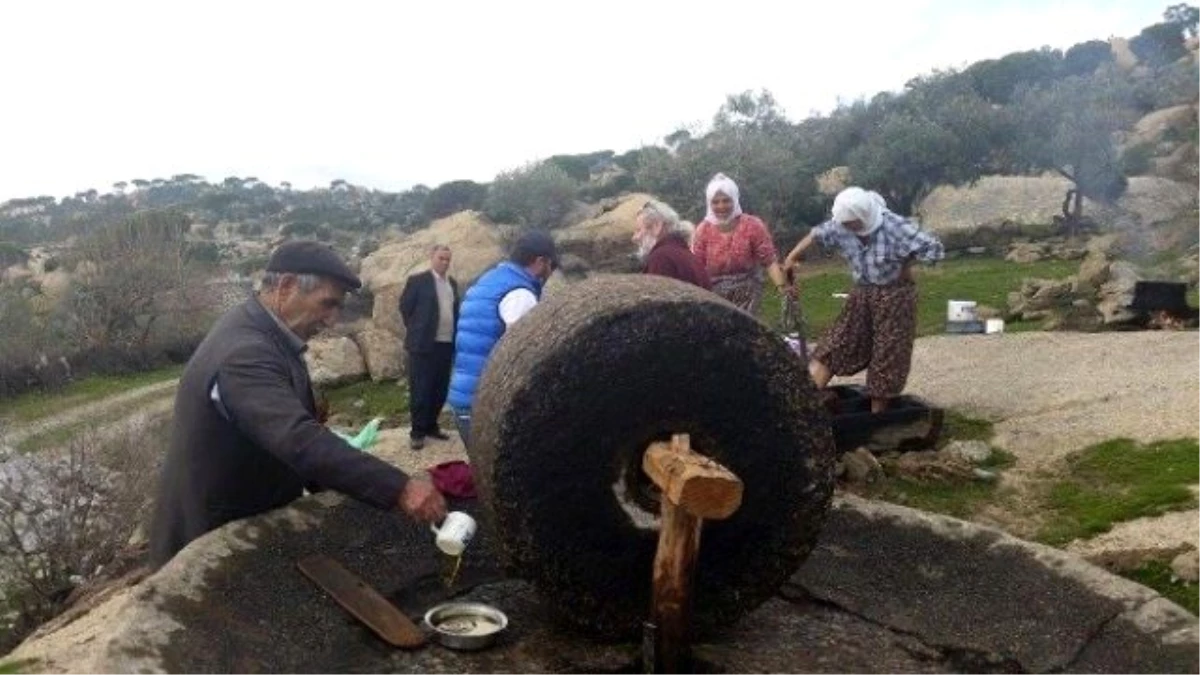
[[516, 304]]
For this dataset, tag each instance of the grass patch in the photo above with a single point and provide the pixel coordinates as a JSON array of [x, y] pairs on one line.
[[987, 281], [1120, 480], [353, 405], [18, 666], [958, 497], [36, 405], [1158, 575], [60, 435], [959, 427]]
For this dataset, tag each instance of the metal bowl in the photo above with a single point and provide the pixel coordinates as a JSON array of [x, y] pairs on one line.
[[466, 625]]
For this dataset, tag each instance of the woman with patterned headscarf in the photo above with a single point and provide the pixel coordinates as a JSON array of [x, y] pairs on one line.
[[878, 323], [735, 248]]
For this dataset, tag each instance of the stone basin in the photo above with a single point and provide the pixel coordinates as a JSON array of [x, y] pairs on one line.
[[888, 589]]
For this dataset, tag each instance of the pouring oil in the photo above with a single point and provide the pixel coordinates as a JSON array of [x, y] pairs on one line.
[[450, 567]]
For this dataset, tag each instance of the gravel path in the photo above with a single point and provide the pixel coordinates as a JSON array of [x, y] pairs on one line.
[[1052, 394], [154, 394]]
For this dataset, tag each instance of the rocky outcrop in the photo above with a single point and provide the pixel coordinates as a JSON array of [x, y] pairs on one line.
[[887, 589], [996, 200], [333, 361], [1101, 293], [1151, 128], [382, 352], [475, 245], [603, 240]]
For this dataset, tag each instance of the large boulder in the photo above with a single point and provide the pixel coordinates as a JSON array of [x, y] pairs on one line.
[[382, 351], [475, 243], [1152, 127], [995, 200], [1123, 56], [334, 361], [603, 240]]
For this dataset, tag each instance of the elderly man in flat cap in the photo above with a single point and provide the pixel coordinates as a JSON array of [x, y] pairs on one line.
[[246, 438]]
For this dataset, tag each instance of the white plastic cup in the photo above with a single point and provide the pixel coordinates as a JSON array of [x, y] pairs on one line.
[[455, 533]]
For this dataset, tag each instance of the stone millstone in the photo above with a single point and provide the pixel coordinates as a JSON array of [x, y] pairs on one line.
[[574, 394]]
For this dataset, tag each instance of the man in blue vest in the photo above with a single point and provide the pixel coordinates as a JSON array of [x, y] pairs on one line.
[[496, 301]]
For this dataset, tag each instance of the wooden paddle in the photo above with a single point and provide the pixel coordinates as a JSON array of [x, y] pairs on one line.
[[362, 601]]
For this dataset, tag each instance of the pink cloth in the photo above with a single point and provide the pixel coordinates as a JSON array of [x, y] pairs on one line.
[[748, 246], [453, 479]]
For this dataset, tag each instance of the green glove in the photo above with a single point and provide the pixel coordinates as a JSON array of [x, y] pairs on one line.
[[365, 438]]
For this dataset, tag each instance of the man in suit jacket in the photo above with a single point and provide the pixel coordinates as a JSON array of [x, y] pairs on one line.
[[245, 436], [429, 308]]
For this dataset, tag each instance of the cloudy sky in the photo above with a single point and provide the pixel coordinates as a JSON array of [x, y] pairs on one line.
[[390, 94]]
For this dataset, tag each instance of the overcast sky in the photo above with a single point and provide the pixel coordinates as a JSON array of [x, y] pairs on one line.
[[391, 94]]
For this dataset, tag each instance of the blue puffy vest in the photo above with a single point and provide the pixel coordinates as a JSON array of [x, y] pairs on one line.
[[480, 326]]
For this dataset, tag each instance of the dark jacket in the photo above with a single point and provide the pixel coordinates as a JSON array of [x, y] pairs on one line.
[[261, 445], [671, 257], [419, 310]]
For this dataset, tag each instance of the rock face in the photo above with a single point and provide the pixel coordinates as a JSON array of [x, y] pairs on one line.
[[995, 200], [475, 245], [334, 361], [887, 589], [1101, 293], [1152, 127], [382, 352], [604, 238]]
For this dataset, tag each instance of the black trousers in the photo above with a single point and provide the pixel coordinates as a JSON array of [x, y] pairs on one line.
[[428, 383]]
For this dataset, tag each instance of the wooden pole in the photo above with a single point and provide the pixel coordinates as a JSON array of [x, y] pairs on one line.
[[693, 487]]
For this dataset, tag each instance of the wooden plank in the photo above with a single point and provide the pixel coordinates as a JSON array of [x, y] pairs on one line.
[[362, 601], [698, 484]]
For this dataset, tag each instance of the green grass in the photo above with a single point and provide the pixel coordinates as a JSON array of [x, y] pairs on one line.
[[987, 281], [387, 399], [1158, 575], [1120, 480], [36, 405], [959, 427], [60, 435], [18, 666]]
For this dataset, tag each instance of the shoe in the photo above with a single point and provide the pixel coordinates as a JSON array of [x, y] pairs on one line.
[[416, 443], [439, 434]]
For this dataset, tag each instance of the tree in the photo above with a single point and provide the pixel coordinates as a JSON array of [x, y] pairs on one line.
[[129, 275], [538, 195], [1068, 127], [996, 80], [1159, 45], [1085, 57], [1184, 16], [752, 143], [579, 167], [452, 197]]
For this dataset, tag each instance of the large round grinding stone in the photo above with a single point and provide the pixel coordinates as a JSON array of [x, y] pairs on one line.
[[575, 392]]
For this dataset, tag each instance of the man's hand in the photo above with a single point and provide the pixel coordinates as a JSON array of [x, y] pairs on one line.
[[421, 501]]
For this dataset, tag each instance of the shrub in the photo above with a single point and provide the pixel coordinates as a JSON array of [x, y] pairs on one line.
[[67, 514], [1135, 160], [538, 195]]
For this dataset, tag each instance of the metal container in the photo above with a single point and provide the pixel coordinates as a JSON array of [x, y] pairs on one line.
[[466, 625]]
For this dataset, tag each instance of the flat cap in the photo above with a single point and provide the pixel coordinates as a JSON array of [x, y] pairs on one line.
[[312, 257]]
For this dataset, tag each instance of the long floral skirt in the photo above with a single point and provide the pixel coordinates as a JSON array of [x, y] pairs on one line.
[[875, 332]]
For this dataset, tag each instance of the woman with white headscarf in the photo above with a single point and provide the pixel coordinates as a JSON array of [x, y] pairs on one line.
[[735, 248], [878, 323]]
